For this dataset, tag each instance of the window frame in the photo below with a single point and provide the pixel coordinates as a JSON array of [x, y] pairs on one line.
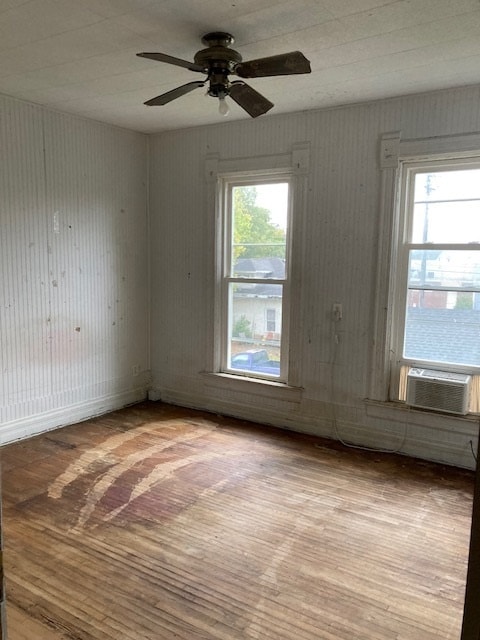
[[226, 184], [409, 172], [295, 159], [395, 153], [405, 245]]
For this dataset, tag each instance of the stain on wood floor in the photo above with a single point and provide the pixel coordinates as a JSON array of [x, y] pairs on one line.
[[156, 522]]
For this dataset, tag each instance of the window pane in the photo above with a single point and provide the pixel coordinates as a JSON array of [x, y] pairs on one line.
[[446, 222], [444, 269], [254, 347], [259, 223], [445, 327], [447, 185], [447, 207]]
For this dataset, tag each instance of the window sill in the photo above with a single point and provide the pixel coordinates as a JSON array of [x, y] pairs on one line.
[[384, 408], [255, 386]]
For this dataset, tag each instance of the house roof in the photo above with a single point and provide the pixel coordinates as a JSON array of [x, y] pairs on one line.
[[260, 268], [445, 335]]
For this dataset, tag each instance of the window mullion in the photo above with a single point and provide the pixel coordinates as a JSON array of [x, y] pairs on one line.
[[426, 246], [237, 280]]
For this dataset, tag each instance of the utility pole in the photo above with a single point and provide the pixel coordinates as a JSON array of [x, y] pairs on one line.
[[423, 269]]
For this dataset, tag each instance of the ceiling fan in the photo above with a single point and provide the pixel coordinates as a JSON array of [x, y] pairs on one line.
[[217, 61]]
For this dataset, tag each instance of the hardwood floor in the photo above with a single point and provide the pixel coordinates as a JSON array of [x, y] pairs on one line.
[[156, 523]]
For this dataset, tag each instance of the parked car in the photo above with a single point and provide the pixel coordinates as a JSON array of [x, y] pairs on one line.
[[255, 360]]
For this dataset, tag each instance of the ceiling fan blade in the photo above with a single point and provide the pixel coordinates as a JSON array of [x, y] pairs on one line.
[[282, 65], [174, 93], [163, 57], [253, 102]]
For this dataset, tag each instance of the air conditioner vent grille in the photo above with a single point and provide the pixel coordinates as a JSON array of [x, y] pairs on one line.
[[441, 392]]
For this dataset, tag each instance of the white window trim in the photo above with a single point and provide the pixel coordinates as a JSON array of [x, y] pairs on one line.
[[226, 184], [409, 170], [295, 164], [394, 154]]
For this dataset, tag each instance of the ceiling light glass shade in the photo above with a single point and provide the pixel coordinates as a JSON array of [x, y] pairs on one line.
[[223, 107]]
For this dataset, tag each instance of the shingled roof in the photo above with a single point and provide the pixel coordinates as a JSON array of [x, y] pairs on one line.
[[443, 335], [266, 268]]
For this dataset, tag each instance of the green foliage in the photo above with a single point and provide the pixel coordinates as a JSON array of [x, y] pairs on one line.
[[242, 328], [252, 226], [464, 300]]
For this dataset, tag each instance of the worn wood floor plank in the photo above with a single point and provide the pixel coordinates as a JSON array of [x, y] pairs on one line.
[[157, 523]]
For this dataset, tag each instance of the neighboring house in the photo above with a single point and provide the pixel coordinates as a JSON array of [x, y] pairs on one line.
[[441, 270], [258, 306]]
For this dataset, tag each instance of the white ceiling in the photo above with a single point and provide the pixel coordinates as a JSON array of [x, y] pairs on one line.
[[78, 56]]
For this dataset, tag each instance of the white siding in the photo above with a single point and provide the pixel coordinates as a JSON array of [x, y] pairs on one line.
[[74, 266], [338, 264]]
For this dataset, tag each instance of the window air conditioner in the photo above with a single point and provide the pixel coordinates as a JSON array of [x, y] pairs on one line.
[[438, 390]]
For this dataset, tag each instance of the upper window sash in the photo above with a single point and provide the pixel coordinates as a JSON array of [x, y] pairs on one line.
[[228, 184], [424, 198]]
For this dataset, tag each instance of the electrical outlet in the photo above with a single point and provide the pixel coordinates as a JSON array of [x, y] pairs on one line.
[[337, 311], [135, 370]]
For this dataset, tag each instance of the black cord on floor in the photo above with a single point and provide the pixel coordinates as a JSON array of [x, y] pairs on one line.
[[473, 452]]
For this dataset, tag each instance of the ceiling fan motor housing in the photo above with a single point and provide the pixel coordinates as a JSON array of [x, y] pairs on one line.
[[217, 55], [218, 38], [218, 61]]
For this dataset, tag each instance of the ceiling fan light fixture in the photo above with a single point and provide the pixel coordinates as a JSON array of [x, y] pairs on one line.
[[223, 107], [218, 61]]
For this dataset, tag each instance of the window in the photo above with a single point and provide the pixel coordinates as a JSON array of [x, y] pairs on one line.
[[255, 276], [271, 320], [438, 281]]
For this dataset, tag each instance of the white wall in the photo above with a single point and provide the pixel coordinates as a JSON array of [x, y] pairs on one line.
[[339, 264], [74, 296], [74, 269]]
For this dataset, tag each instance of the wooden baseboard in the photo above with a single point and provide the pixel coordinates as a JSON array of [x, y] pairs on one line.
[[39, 423]]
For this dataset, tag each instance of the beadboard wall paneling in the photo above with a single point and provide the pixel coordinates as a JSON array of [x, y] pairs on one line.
[[74, 322], [339, 264], [99, 288], [24, 262]]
